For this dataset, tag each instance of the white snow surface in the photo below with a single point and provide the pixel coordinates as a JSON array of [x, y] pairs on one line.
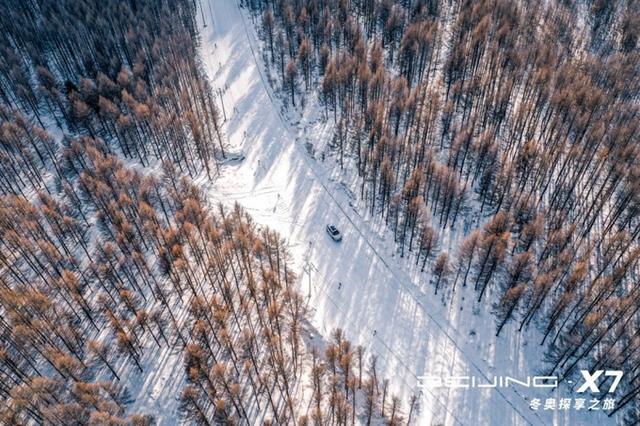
[[384, 303]]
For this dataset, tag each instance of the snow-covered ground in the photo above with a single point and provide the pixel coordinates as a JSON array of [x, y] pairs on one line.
[[380, 304]]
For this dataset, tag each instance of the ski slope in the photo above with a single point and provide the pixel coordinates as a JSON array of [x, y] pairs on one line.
[[380, 305]]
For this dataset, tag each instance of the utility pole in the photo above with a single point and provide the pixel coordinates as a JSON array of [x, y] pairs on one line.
[[204, 24], [308, 266], [222, 102], [307, 269], [210, 12]]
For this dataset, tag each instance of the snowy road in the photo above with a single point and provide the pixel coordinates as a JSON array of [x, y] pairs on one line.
[[378, 305]]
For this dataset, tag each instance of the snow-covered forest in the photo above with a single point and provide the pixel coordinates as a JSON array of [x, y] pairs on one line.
[[168, 167]]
